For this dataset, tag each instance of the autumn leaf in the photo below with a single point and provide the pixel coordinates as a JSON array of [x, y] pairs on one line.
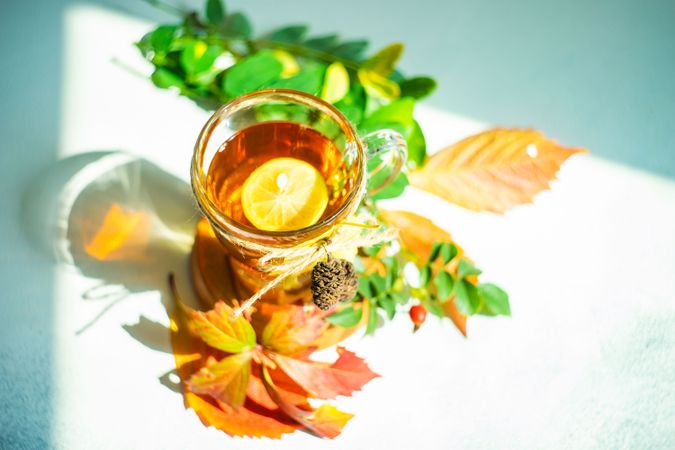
[[225, 380], [325, 421], [322, 380], [256, 422], [251, 420], [418, 235], [220, 330], [291, 330], [494, 170]]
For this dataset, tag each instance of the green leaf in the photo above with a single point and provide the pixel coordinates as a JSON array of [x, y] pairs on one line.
[[346, 317], [308, 80], [159, 40], [418, 87], [372, 317], [399, 111], [400, 297], [336, 83], [433, 307], [465, 269], [237, 25], [444, 285], [435, 251], [365, 289], [251, 73], [466, 297], [494, 301], [373, 250], [387, 303], [164, 78], [393, 189], [291, 34], [215, 11], [384, 61], [353, 104], [417, 145], [351, 50], [425, 276], [378, 282], [448, 252], [197, 59], [391, 265], [322, 43]]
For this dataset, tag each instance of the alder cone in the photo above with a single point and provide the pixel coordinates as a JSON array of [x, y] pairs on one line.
[[333, 281]]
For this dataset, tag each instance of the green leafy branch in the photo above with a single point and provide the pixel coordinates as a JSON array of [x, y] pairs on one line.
[[213, 56], [386, 295]]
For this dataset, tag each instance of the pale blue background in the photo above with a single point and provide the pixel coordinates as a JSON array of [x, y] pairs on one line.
[[599, 74]]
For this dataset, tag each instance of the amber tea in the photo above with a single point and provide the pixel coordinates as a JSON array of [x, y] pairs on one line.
[[287, 145]]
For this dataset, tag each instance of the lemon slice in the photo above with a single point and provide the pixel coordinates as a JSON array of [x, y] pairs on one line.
[[284, 194]]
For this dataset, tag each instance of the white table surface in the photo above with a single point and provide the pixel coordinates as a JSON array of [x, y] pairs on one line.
[[587, 360]]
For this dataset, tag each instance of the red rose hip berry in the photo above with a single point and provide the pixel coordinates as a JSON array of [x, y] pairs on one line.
[[418, 315]]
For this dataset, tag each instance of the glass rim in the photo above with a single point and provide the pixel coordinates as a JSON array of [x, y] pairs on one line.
[[198, 175]]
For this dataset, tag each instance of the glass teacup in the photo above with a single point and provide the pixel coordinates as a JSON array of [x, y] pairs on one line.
[[245, 243]]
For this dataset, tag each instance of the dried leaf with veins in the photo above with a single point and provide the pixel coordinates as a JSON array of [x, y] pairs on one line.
[[225, 380], [220, 330], [322, 380], [494, 170], [326, 421]]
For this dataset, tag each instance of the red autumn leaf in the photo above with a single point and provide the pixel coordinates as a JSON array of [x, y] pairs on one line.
[[220, 330], [326, 421], [226, 380], [322, 380]]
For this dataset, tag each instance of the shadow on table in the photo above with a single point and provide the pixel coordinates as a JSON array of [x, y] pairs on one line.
[[120, 219]]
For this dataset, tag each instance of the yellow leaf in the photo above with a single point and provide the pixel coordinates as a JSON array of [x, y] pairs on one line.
[[288, 62], [384, 61], [378, 86], [328, 420], [494, 170], [336, 83], [222, 331], [226, 380]]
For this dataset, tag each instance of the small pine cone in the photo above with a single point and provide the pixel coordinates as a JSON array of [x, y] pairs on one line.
[[333, 281]]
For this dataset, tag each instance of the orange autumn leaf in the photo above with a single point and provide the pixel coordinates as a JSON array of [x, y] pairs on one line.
[[291, 330], [418, 234], [220, 330], [191, 353], [119, 231], [322, 380], [325, 421], [225, 380], [494, 170], [254, 422]]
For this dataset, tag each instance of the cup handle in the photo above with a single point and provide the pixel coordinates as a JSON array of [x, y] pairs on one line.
[[392, 149]]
